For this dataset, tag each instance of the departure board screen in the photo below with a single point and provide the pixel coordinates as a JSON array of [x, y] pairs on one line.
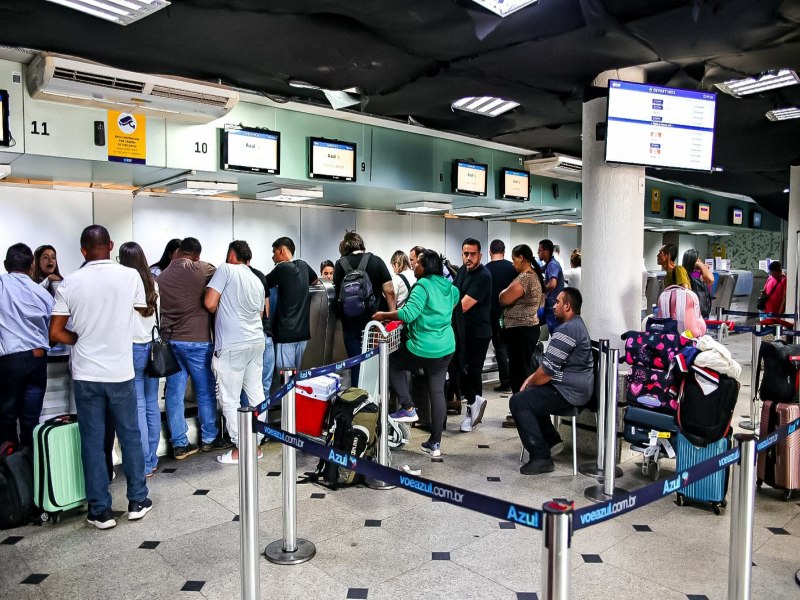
[[332, 159], [659, 126], [469, 178], [703, 211], [514, 184], [251, 150]]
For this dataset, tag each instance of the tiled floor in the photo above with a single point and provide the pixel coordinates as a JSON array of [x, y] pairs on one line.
[[395, 544]]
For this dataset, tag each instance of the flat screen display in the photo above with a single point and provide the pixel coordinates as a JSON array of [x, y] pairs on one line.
[[703, 211], [252, 150], [5, 134], [678, 209], [736, 216], [659, 126], [755, 219], [514, 184], [332, 159], [469, 178]]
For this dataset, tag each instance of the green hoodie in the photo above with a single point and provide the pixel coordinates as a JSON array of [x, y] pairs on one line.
[[427, 314]]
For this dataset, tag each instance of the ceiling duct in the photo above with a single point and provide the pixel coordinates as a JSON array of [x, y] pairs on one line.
[[557, 166], [68, 80]]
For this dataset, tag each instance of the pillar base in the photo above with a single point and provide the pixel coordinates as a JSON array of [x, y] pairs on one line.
[[749, 425], [596, 493], [275, 553], [375, 484]]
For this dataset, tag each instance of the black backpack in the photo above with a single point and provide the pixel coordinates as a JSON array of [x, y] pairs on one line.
[[701, 291], [705, 419], [356, 297], [16, 486], [779, 362], [352, 425]]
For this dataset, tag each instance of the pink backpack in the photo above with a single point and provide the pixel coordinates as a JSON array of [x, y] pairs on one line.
[[678, 303]]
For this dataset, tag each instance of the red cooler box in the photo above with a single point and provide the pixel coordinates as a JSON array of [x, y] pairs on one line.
[[312, 398]]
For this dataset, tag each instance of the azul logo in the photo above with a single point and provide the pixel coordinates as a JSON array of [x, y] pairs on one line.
[[767, 441], [793, 427], [673, 484], [605, 512], [523, 517], [344, 460], [304, 375], [339, 366], [729, 459], [427, 487]]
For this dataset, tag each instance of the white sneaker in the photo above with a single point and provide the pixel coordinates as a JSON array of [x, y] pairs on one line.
[[466, 424], [478, 408]]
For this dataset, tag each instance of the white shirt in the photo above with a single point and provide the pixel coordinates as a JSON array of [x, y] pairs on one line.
[[241, 301], [401, 291], [100, 299], [573, 277], [143, 326]]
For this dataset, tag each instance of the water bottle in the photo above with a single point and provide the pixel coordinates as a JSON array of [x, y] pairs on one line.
[[655, 311]]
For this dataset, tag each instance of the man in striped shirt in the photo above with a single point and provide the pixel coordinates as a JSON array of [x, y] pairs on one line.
[[565, 378]]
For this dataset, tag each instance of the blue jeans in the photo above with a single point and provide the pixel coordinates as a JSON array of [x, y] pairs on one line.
[[266, 375], [147, 406], [195, 361], [96, 402], [290, 356], [352, 345], [24, 381]]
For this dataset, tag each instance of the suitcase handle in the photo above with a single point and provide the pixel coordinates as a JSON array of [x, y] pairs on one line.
[[63, 419]]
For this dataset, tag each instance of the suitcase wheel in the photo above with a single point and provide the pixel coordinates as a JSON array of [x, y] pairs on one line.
[[681, 500], [55, 517], [717, 508], [787, 495]]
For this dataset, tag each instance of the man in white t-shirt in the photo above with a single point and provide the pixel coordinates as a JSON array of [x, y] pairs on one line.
[[236, 296], [99, 300]]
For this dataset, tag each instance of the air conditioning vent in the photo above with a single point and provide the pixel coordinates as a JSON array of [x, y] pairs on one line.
[[112, 83], [163, 91], [557, 166]]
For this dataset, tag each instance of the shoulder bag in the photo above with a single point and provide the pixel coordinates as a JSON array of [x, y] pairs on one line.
[[162, 361]]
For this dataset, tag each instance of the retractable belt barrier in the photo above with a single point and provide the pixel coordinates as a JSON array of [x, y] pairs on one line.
[[494, 507], [744, 313]]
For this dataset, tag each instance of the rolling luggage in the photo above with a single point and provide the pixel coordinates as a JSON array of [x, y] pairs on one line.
[[712, 489], [779, 465], [16, 486], [57, 468], [652, 434]]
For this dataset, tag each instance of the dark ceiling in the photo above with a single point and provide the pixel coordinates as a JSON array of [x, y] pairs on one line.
[[413, 58]]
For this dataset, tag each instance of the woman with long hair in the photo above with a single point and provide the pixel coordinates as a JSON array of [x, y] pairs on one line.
[[170, 250], [520, 327], [403, 278], [132, 256], [45, 268]]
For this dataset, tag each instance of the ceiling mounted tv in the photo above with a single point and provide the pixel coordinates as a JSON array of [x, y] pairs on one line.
[[331, 159], [737, 216], [251, 150], [514, 184], [703, 211], [755, 219], [678, 208], [657, 126], [469, 178], [5, 133]]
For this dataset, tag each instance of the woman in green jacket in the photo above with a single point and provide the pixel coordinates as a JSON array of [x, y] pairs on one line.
[[427, 315]]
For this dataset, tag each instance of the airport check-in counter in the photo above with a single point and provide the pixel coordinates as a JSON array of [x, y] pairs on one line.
[[723, 291], [745, 294]]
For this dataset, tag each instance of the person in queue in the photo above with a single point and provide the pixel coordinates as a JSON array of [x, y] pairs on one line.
[[430, 344], [676, 274], [169, 254], [572, 276], [352, 250], [696, 267], [521, 301], [268, 361], [413, 254], [187, 325], [326, 270], [403, 278], [99, 301], [503, 273], [564, 379], [553, 282], [131, 255], [775, 289], [236, 296], [45, 268], [24, 321]]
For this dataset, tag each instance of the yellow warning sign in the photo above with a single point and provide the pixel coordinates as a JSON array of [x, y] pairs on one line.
[[127, 137]]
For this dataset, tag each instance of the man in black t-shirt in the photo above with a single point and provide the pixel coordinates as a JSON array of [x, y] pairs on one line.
[[474, 283], [352, 250], [269, 349], [503, 273], [291, 326]]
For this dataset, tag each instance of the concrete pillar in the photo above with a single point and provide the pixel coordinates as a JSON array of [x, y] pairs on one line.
[[791, 245], [613, 229]]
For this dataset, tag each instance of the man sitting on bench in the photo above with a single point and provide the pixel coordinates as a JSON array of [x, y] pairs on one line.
[[565, 378]]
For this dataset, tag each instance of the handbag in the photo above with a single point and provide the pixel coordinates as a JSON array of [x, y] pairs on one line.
[[761, 303], [162, 361]]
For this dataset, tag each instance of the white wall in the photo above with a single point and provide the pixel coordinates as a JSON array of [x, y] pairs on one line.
[[652, 244], [385, 232]]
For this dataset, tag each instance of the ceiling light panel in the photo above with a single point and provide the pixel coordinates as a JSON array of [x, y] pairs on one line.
[[503, 8], [424, 206], [769, 80], [784, 114], [290, 194], [475, 211], [194, 187], [487, 106], [122, 12]]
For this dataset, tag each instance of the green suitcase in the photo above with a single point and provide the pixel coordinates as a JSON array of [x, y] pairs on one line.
[[57, 468]]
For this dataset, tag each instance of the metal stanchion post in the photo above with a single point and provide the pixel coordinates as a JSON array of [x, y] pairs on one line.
[[605, 491], [248, 504], [743, 500], [595, 467], [290, 550], [384, 458], [720, 331], [778, 331], [556, 539], [752, 423]]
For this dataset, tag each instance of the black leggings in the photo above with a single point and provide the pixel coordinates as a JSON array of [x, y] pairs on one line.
[[521, 343]]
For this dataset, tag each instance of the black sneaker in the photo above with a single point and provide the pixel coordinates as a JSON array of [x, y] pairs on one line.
[[503, 387], [217, 444], [181, 452], [105, 520], [137, 510], [537, 466]]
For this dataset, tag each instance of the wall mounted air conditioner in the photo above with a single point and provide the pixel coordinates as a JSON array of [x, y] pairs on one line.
[[73, 81], [557, 166]]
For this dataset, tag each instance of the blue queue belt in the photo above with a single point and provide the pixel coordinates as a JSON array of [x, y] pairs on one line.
[[618, 505], [317, 372], [744, 313], [494, 507]]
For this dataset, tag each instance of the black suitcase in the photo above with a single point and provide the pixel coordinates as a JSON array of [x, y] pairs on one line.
[[16, 486]]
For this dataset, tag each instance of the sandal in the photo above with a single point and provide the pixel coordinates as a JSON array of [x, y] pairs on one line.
[[227, 458]]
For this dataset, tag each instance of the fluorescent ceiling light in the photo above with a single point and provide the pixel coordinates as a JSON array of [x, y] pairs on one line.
[[121, 12], [193, 187], [290, 194], [768, 80], [503, 8], [786, 190], [549, 221], [424, 206], [475, 211], [784, 114], [663, 229], [487, 106]]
